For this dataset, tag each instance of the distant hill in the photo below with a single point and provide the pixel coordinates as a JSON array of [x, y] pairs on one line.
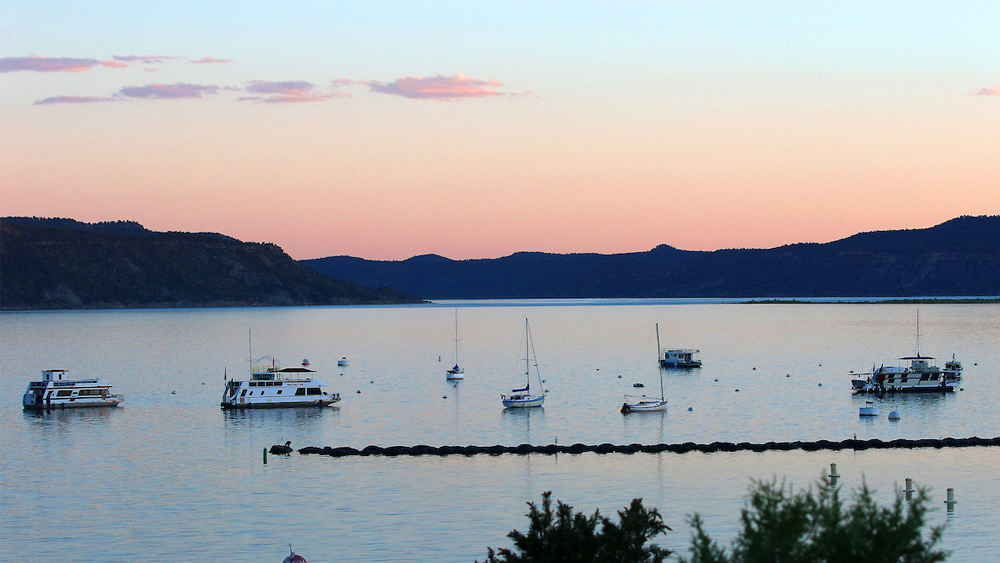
[[960, 257], [62, 263]]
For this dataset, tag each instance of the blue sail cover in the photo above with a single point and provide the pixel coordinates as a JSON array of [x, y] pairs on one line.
[[520, 390]]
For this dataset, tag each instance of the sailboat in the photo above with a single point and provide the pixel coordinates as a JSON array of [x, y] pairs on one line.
[[455, 373], [522, 398], [644, 403]]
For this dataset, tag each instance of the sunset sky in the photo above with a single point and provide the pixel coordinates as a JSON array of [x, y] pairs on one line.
[[386, 130]]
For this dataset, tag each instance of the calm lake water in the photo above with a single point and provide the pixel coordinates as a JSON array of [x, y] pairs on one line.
[[171, 477]]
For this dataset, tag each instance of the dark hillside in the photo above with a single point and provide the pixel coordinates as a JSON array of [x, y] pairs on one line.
[[44, 267], [960, 257]]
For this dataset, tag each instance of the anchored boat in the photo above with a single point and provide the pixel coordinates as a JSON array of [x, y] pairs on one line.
[[919, 376], [523, 398], [457, 372], [57, 391], [271, 386], [633, 403]]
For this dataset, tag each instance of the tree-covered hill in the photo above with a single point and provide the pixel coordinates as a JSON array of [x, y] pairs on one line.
[[960, 257], [61, 263]]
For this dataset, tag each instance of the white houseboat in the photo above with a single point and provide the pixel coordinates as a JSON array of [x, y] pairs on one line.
[[271, 386], [57, 391], [681, 358]]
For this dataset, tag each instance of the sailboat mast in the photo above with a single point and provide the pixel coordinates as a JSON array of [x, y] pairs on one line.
[[456, 336], [659, 351], [659, 355], [527, 356], [918, 333]]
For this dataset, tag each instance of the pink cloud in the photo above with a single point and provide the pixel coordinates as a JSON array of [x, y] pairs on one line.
[[72, 100], [168, 91], [994, 91], [438, 87], [49, 64], [209, 60]]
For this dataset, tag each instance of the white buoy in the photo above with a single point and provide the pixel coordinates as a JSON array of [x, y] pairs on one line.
[[909, 485], [894, 415], [833, 470], [951, 498]]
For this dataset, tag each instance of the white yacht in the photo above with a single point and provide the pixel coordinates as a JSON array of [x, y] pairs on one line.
[[918, 376], [271, 386], [57, 391]]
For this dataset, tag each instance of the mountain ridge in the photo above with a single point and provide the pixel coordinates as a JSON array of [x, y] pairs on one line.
[[959, 257]]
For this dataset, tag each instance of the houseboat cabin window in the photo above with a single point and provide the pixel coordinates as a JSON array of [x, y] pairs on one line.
[[314, 391], [300, 391], [64, 393]]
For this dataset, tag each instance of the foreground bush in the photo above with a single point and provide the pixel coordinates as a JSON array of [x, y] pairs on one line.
[[785, 526], [561, 536]]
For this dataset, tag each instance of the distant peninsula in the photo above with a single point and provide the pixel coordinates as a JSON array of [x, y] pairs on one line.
[[57, 263], [959, 258]]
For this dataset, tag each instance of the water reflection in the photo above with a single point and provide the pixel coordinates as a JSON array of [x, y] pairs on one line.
[[278, 418], [518, 421]]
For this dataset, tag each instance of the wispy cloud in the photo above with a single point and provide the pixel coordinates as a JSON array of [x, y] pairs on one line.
[[158, 90], [994, 91], [291, 91], [144, 59], [53, 64], [72, 100], [210, 60], [438, 87]]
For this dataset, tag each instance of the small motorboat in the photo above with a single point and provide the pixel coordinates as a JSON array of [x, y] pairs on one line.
[[868, 410], [343, 362]]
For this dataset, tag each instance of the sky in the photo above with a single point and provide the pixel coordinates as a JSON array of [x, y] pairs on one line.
[[386, 130]]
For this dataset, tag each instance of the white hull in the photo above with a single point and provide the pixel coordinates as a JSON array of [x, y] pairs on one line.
[[55, 391], [453, 375], [272, 387], [524, 402], [651, 405]]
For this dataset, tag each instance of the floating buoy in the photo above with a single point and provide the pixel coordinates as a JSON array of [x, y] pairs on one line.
[[690, 409], [755, 369], [293, 557], [173, 392], [202, 382], [445, 397], [951, 498], [894, 415], [737, 390], [820, 385], [716, 379], [788, 375], [359, 390], [619, 377], [909, 486], [372, 382]]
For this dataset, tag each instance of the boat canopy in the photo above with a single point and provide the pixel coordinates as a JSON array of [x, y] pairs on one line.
[[918, 358], [520, 390]]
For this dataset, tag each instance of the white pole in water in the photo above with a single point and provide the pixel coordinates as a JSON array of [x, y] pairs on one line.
[[909, 489], [951, 502], [833, 475]]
